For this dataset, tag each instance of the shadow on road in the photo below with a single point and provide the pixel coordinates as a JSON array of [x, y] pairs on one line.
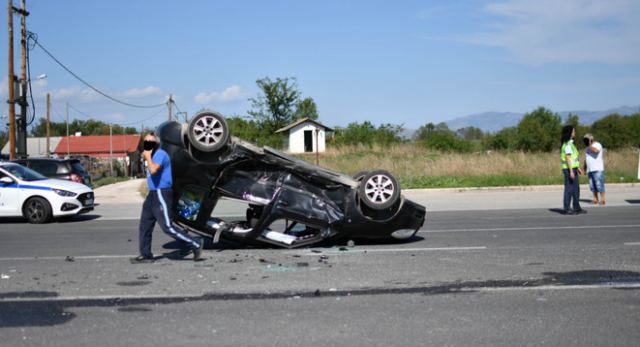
[[21, 313], [70, 219]]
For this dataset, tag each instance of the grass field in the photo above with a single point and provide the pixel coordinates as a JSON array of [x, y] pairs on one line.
[[417, 167]]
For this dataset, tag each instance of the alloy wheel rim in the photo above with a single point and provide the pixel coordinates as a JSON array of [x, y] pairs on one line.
[[379, 189], [208, 130], [35, 210]]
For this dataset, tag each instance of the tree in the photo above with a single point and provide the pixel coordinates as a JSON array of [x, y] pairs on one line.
[[573, 119], [251, 131], [366, 134], [274, 107], [306, 108], [86, 127], [538, 131], [506, 138], [470, 133], [634, 129], [615, 131], [442, 138]]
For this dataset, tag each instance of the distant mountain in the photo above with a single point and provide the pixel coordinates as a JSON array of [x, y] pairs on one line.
[[487, 121], [494, 121]]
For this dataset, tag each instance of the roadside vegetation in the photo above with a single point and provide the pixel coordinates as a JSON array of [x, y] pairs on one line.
[[418, 167], [434, 155]]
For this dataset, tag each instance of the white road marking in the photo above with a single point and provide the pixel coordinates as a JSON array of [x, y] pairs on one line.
[[534, 228], [557, 287], [382, 250], [74, 257], [188, 297], [632, 243], [223, 215], [306, 252]]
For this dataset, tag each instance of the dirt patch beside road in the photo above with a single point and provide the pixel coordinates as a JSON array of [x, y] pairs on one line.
[[120, 193]]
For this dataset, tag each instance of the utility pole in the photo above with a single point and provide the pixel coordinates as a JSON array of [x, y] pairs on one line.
[[170, 104], [68, 138], [22, 124], [110, 150], [11, 101], [48, 121]]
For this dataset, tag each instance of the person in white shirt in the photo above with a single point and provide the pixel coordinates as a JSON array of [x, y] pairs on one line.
[[594, 166]]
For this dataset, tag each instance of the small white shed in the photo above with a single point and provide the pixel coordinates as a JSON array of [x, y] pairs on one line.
[[304, 136]]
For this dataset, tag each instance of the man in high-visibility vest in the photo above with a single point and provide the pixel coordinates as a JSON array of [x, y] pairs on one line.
[[571, 169]]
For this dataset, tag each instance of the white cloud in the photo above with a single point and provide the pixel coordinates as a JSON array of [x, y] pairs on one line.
[[66, 92], [39, 84], [116, 117], [230, 94], [90, 95], [141, 92], [567, 31]]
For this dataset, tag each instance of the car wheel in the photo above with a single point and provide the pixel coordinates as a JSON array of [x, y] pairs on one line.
[[37, 210], [208, 131], [379, 190]]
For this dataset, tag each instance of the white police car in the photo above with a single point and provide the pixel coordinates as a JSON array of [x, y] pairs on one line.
[[24, 192]]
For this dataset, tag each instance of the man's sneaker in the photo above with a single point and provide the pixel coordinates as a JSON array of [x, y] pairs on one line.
[[141, 259], [581, 211], [197, 253], [568, 212]]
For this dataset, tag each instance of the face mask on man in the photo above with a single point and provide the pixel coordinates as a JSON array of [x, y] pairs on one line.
[[149, 145]]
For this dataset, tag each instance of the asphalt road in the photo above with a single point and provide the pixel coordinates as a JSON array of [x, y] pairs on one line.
[[499, 277]]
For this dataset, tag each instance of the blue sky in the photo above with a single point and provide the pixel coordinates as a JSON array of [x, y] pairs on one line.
[[400, 62]]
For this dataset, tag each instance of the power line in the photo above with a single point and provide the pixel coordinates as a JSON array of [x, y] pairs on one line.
[[33, 104], [80, 112], [144, 120], [59, 115], [34, 38], [176, 105]]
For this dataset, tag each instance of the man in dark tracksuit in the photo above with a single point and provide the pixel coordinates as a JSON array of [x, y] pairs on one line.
[[158, 205]]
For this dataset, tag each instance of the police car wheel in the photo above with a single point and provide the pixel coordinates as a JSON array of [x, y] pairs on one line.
[[37, 210]]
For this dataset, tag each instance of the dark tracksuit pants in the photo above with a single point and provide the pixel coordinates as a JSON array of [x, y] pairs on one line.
[[158, 206], [571, 190]]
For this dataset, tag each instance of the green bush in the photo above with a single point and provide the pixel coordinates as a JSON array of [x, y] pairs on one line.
[[538, 131], [447, 142], [366, 134]]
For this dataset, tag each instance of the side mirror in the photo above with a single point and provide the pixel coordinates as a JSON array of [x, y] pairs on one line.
[[6, 180]]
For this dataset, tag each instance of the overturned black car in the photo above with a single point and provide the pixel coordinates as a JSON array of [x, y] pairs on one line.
[[291, 203]]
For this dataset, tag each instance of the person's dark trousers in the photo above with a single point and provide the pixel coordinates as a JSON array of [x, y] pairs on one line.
[[158, 207], [571, 190]]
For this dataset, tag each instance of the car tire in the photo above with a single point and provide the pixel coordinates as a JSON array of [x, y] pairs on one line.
[[379, 190], [37, 210], [208, 131]]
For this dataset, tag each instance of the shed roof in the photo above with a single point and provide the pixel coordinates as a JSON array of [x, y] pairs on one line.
[[300, 121], [37, 146], [98, 144]]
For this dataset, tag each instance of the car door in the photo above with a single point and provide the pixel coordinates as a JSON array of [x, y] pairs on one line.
[[9, 194]]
